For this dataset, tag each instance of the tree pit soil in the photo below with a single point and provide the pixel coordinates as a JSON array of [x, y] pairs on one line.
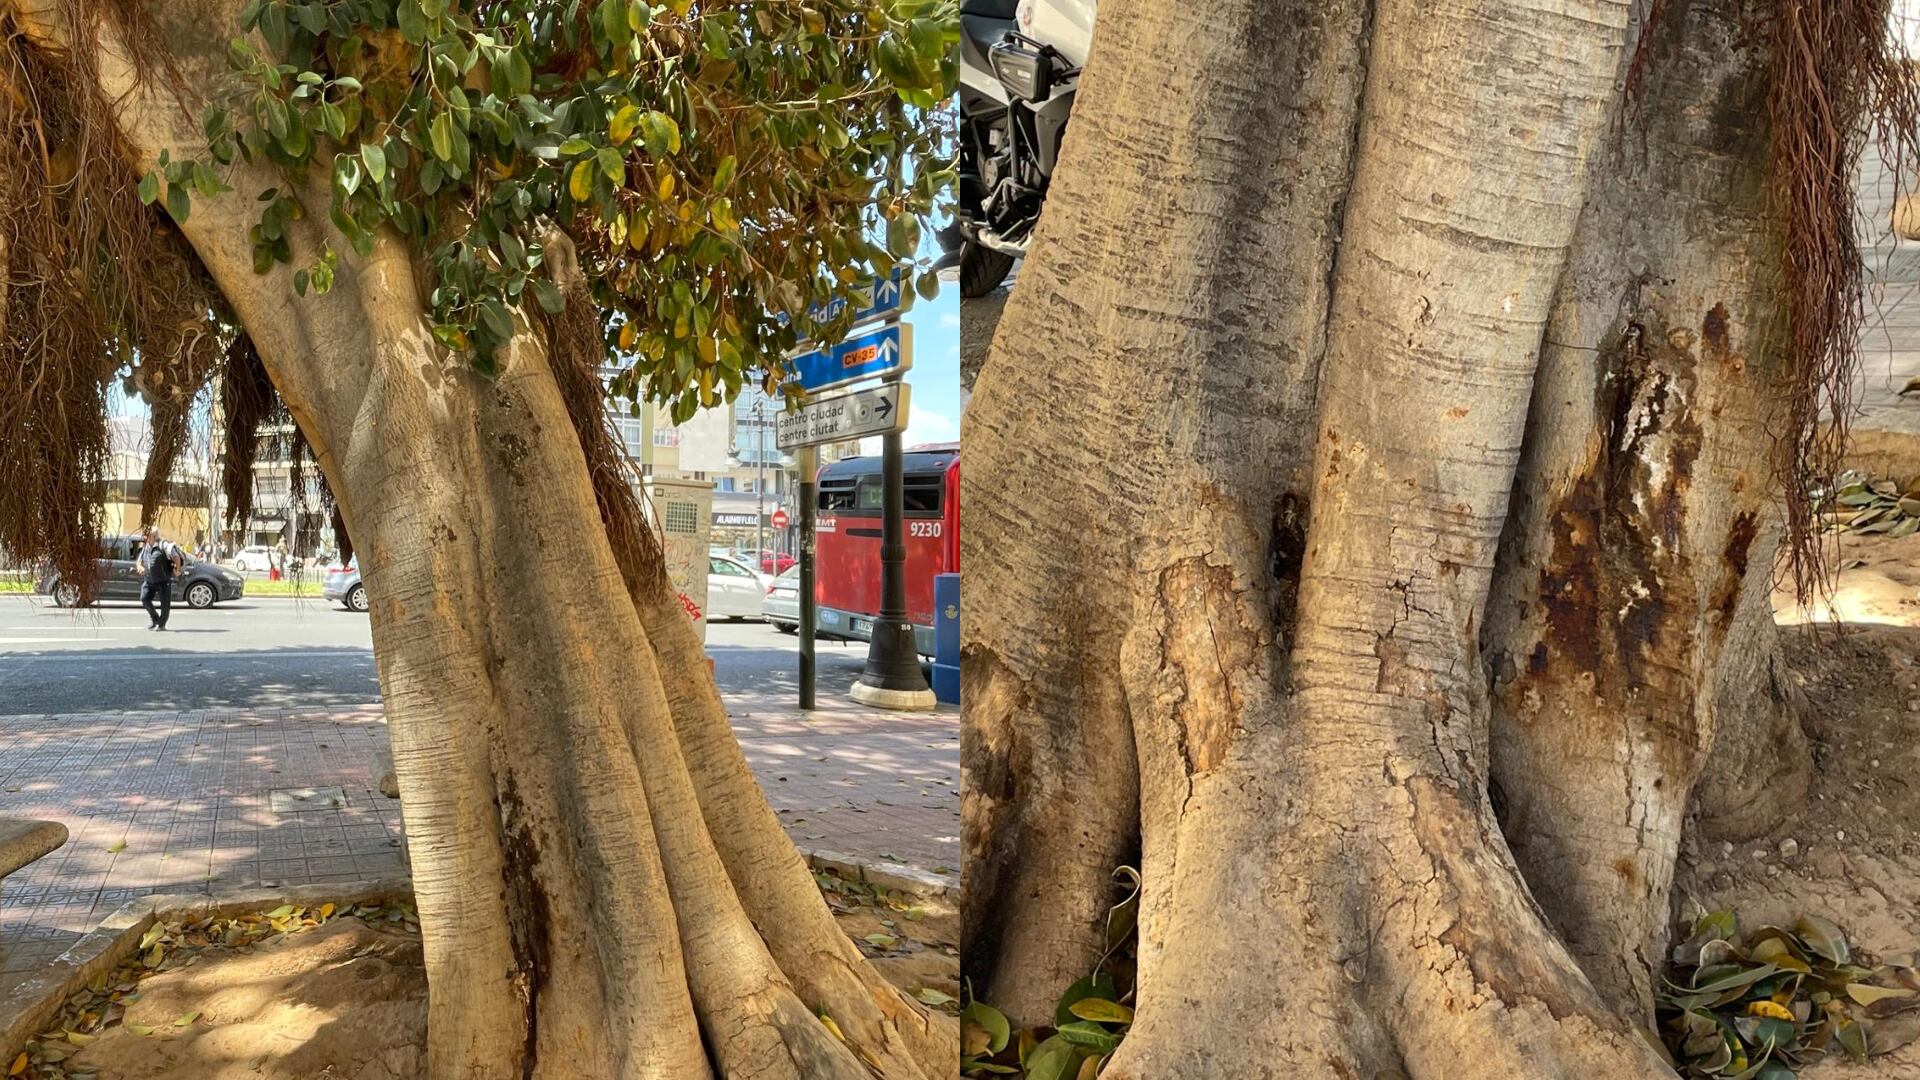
[[343, 995], [1851, 854]]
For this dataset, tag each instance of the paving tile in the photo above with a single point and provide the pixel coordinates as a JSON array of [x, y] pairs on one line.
[[190, 802]]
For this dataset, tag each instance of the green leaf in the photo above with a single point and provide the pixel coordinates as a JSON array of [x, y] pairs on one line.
[[1723, 983], [1090, 1035], [519, 71], [300, 282], [376, 159], [411, 21], [1823, 938], [177, 202], [149, 188], [612, 164], [992, 1021], [548, 296], [613, 22], [493, 315], [903, 236], [1102, 1010], [1052, 1059], [661, 133], [928, 995], [440, 132], [927, 285], [723, 174]]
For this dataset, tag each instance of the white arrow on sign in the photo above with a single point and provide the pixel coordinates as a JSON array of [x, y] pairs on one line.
[[878, 410]]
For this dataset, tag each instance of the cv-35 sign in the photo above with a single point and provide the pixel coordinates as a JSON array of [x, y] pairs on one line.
[[877, 411]]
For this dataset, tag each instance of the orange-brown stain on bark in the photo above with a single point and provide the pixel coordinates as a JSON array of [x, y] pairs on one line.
[[1625, 868], [1209, 642], [1740, 537]]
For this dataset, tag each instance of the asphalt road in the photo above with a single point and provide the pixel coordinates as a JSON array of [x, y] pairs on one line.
[[284, 653]]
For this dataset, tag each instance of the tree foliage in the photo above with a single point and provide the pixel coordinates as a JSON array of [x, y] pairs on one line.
[[716, 165]]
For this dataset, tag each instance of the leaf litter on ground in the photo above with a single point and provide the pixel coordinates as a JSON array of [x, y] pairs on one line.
[[169, 946], [1763, 1004]]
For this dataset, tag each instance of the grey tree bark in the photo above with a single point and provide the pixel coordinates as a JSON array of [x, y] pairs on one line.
[[603, 889], [1368, 224], [1645, 513], [1189, 303]]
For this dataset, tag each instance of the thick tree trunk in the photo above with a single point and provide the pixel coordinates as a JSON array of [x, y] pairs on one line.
[[1115, 527], [603, 889], [1311, 774], [1645, 510]]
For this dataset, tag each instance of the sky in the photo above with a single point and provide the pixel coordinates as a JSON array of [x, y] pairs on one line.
[[933, 409]]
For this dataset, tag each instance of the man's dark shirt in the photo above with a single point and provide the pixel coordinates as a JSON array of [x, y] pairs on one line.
[[159, 561]]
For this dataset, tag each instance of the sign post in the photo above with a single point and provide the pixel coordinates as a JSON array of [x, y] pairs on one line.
[[809, 471], [892, 678], [878, 410]]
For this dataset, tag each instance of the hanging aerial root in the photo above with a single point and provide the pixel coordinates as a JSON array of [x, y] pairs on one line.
[[91, 278], [1840, 79], [246, 399], [575, 349]]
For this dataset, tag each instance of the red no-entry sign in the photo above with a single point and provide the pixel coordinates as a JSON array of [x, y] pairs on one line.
[[779, 519]]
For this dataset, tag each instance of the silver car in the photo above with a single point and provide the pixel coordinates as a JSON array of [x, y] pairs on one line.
[[342, 586], [782, 604]]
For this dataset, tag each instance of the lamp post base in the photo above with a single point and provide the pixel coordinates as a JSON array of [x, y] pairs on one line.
[[880, 697]]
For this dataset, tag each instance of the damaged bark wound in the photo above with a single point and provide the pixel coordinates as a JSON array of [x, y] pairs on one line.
[[1208, 646], [1612, 581], [1641, 502]]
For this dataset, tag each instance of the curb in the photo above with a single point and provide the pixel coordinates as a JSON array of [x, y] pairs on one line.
[[886, 875], [34, 1001]]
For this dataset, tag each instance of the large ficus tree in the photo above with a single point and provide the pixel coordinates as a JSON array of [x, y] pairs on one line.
[[422, 228], [1395, 578]]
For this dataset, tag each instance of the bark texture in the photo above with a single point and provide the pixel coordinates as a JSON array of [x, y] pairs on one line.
[[1112, 535], [1645, 516], [603, 889], [1288, 630]]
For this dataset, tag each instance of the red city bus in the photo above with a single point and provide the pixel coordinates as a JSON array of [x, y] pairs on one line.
[[847, 540]]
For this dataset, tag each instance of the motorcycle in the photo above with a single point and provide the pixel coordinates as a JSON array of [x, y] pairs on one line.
[[1020, 64]]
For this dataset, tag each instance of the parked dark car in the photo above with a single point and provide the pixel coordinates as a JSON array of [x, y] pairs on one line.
[[198, 584]]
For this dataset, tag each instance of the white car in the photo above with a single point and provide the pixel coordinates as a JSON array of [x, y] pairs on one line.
[[734, 589], [254, 558]]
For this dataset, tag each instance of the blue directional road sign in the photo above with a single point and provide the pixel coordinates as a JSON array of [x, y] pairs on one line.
[[887, 350], [877, 300]]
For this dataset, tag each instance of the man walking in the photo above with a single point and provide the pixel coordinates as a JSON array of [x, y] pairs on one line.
[[159, 561]]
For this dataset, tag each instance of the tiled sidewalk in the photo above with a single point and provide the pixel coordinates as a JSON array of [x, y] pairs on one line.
[[189, 801]]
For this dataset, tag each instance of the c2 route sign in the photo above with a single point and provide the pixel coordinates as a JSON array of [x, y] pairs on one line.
[[886, 350], [877, 410], [871, 302]]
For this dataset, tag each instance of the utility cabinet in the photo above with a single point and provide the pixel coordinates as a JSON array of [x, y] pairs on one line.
[[681, 512]]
